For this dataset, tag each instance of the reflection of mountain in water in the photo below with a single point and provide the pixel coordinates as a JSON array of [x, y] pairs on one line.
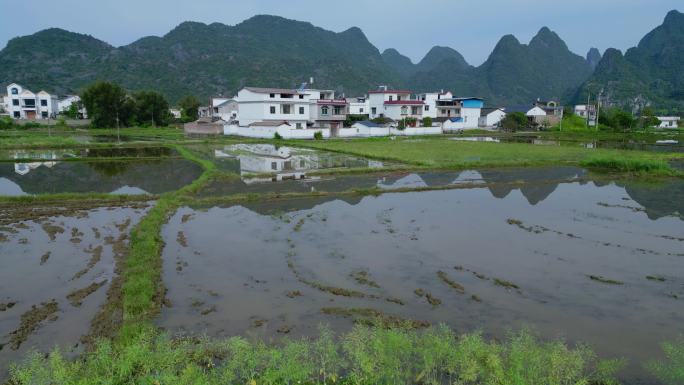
[[152, 176], [660, 199], [536, 187]]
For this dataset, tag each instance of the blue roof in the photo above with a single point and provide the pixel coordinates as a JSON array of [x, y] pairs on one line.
[[456, 120], [368, 123]]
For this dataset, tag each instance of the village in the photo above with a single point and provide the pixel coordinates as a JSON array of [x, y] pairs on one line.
[[307, 113]]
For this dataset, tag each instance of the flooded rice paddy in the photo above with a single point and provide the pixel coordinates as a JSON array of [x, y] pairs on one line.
[[46, 176], [665, 145], [58, 264], [558, 249], [551, 248]]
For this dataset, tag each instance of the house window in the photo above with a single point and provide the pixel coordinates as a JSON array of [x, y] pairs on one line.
[[17, 115], [391, 98], [374, 110], [398, 97], [29, 103], [273, 110], [404, 110], [322, 96], [43, 103], [427, 108], [271, 96], [287, 109], [324, 110], [301, 110], [361, 110], [299, 126], [414, 111], [274, 166], [302, 163], [15, 91], [44, 114], [338, 110], [15, 102], [301, 96]]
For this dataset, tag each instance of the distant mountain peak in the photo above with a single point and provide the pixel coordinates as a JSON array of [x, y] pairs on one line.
[[546, 38], [438, 54], [674, 16], [593, 57]]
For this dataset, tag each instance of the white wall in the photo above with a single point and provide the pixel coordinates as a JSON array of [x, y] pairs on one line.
[[471, 117], [492, 119]]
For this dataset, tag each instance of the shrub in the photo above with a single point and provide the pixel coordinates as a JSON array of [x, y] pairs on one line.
[[6, 123], [318, 135], [277, 136], [427, 121], [671, 370], [369, 355], [514, 121]]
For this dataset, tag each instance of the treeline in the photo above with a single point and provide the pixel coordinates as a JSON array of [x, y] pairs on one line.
[[109, 105], [610, 120]]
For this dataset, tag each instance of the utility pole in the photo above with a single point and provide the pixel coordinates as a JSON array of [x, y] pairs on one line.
[[118, 134], [598, 108], [588, 111]]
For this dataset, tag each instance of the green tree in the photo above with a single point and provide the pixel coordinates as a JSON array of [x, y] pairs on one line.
[[151, 108], [104, 102], [617, 119], [648, 118], [73, 111], [189, 107], [427, 121], [514, 121]]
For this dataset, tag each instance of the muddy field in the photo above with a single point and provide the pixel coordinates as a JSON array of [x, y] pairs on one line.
[[58, 264], [593, 262]]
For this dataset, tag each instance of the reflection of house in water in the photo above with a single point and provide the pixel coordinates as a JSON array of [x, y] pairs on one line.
[[25, 168], [285, 163]]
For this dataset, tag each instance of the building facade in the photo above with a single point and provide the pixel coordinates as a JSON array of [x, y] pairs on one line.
[[21, 103]]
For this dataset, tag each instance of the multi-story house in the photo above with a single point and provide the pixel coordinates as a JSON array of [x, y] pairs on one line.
[[327, 111], [301, 109], [394, 104], [430, 99], [21, 103], [258, 105], [358, 106]]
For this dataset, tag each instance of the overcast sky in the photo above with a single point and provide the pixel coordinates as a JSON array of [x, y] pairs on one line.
[[412, 26]]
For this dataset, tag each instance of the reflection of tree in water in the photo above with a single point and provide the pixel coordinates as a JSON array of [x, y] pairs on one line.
[[110, 169]]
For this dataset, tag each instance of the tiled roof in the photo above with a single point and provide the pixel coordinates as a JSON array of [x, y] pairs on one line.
[[389, 92], [405, 102], [259, 90], [270, 123]]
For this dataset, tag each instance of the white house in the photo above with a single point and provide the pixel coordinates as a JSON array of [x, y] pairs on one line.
[[259, 105], [65, 103], [491, 117], [326, 111], [459, 113], [358, 106], [430, 99], [587, 111], [394, 104], [668, 121], [225, 109], [24, 104]]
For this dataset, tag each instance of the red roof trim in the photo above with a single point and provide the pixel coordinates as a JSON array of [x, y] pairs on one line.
[[405, 102], [389, 92]]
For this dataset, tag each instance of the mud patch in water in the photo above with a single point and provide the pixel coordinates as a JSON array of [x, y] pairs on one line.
[[68, 281]]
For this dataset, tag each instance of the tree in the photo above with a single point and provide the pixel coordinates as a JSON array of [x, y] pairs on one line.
[[189, 107], [617, 119], [514, 121], [73, 111], [151, 108], [427, 121], [648, 118], [104, 102]]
